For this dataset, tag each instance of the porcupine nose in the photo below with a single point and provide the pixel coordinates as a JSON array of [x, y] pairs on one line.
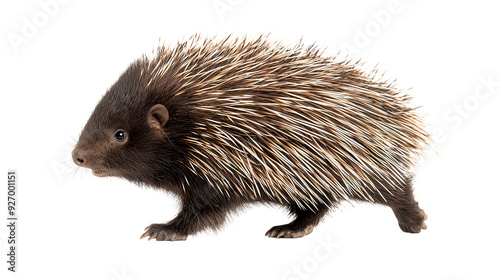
[[78, 158]]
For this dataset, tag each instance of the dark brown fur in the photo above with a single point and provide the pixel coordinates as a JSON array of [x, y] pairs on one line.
[[155, 153]]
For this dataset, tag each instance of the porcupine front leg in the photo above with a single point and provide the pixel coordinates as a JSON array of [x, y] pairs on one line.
[[189, 221], [304, 223], [199, 211]]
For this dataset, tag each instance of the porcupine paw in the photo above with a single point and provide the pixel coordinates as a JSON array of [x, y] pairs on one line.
[[162, 232], [414, 224], [289, 231]]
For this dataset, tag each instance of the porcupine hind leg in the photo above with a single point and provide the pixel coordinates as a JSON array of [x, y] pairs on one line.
[[411, 217], [304, 223]]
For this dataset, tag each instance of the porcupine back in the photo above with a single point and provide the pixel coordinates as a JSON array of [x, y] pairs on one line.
[[285, 122]]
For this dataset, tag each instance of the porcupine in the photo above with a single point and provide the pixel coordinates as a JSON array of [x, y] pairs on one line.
[[225, 123]]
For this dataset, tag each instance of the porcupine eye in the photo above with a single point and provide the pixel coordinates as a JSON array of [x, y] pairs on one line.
[[120, 135]]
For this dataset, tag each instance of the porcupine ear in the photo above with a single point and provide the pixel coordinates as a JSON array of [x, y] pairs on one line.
[[158, 116]]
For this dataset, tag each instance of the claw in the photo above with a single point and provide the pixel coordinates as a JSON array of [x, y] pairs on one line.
[[153, 236]]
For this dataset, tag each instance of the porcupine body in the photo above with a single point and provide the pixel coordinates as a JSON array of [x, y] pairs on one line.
[[225, 123]]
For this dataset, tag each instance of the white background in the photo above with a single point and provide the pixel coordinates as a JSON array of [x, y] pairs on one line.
[[76, 226]]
